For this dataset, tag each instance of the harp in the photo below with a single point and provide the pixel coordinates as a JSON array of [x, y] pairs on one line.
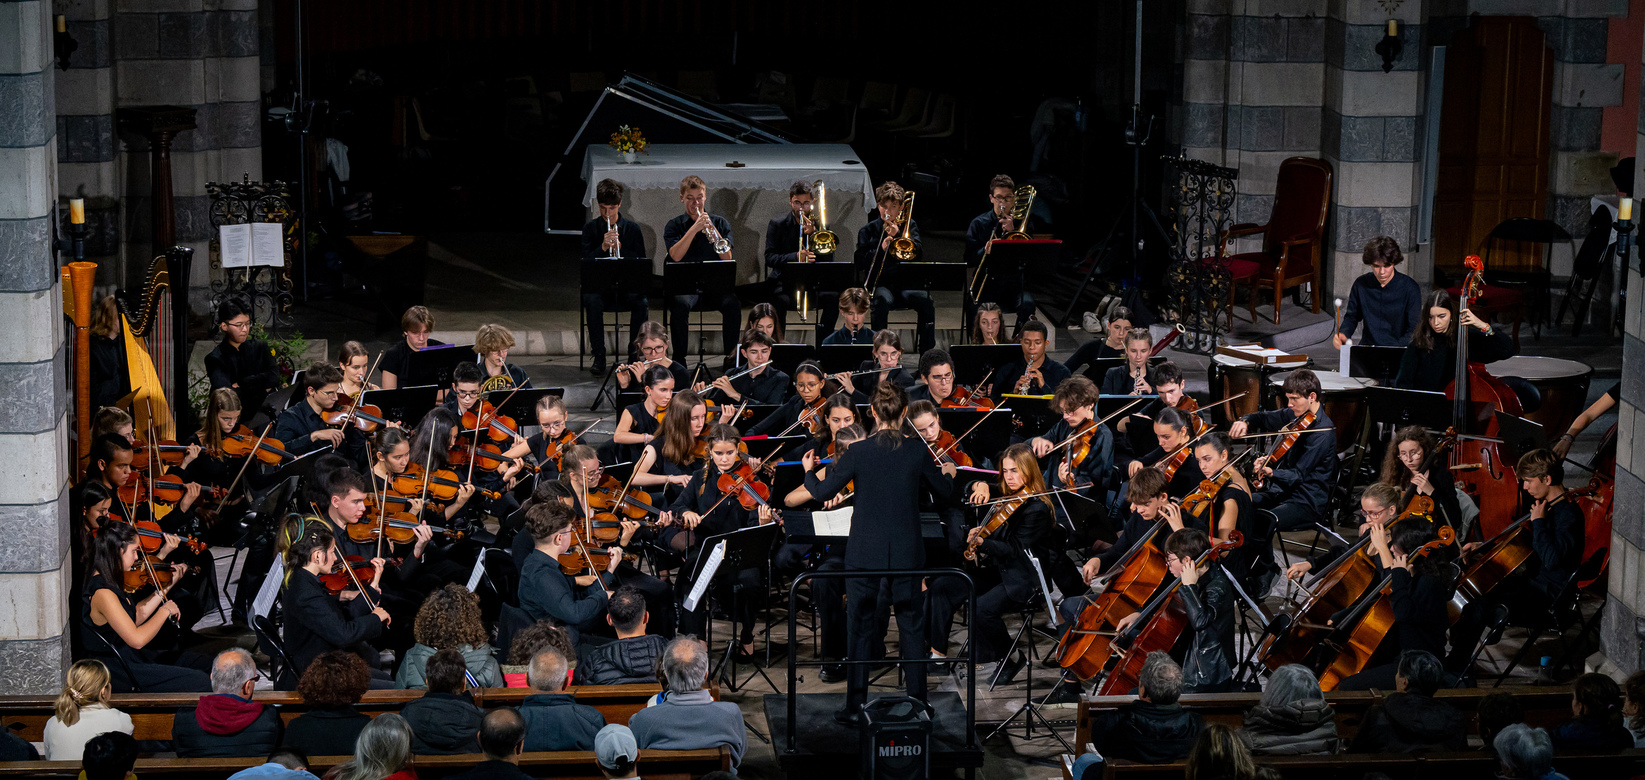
[[154, 321]]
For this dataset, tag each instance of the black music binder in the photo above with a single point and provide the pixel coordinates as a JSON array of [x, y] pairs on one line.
[[789, 356], [835, 358], [619, 275], [405, 405], [924, 276]]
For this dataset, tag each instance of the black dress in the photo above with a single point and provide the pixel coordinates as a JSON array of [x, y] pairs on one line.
[[1433, 369], [138, 670]]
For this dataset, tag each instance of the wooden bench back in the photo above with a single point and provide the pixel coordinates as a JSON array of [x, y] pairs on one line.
[[1400, 766], [567, 763]]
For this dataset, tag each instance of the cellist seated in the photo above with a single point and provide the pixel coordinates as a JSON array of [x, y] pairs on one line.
[[1207, 598], [1296, 486], [1556, 537]]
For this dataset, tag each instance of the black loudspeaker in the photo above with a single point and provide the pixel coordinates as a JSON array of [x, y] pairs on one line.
[[896, 739]]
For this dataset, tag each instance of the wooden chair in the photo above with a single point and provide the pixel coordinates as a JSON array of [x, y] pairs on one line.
[[1293, 237]]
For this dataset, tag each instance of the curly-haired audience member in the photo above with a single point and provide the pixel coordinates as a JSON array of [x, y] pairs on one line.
[[330, 686], [450, 620]]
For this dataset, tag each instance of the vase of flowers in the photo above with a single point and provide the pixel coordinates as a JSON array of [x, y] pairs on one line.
[[629, 143]]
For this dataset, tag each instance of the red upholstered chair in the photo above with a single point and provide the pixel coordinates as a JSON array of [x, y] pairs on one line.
[[1293, 239]]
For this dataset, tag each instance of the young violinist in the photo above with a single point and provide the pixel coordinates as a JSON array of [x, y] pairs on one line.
[[1173, 431], [758, 381], [430, 450], [1556, 530], [345, 506], [1407, 453], [809, 384], [1207, 599], [1027, 531], [638, 423], [996, 222], [128, 634], [1228, 510], [927, 424], [492, 343], [782, 246], [465, 398], [667, 462], [355, 361], [1421, 591], [391, 454], [1111, 345], [551, 417], [415, 325], [1297, 486], [988, 324], [240, 362], [583, 478], [886, 364], [89, 506], [110, 466], [546, 592], [691, 238], [1387, 301], [1076, 400], [1429, 362], [877, 262], [316, 621], [701, 511], [302, 427], [651, 348], [214, 468], [841, 415], [1035, 373], [611, 235], [1131, 378], [853, 310], [936, 371]]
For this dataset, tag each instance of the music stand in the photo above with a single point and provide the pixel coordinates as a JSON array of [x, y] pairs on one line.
[[1520, 435], [1012, 261], [924, 276], [615, 277], [745, 548], [1099, 367], [301, 467], [709, 281], [1399, 407], [835, 358], [789, 356], [972, 362], [754, 415], [405, 405], [831, 276], [1379, 363], [783, 446], [1033, 410], [521, 404], [434, 364], [986, 442]]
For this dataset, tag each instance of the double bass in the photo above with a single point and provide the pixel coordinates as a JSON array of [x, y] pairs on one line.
[[1477, 395]]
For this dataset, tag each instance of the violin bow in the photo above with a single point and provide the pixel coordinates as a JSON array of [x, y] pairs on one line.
[[1278, 433], [155, 579], [968, 432], [382, 507], [588, 528], [1118, 412], [249, 458], [428, 464], [1052, 491]]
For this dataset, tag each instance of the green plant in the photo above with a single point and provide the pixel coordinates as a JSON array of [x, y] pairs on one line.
[[287, 350], [199, 393]]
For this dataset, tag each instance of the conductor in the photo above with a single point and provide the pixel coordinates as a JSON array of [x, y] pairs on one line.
[[885, 534]]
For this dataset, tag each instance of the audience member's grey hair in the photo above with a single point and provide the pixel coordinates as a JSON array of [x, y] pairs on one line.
[[1525, 752], [547, 672], [1160, 678], [1291, 683], [1421, 671], [383, 748], [231, 670], [685, 664]]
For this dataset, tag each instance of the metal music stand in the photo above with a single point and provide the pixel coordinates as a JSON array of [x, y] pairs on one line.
[[709, 281], [831, 276], [405, 405], [615, 277], [972, 362], [789, 356], [835, 358], [746, 548], [436, 363], [1379, 363]]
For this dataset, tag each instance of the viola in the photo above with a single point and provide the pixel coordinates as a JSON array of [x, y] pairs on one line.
[[1478, 396], [1282, 445], [575, 562], [1162, 623], [151, 538], [171, 453], [1358, 635], [402, 502], [1197, 502], [1080, 448], [149, 571], [397, 527], [1085, 648], [367, 417], [609, 496], [745, 485], [338, 581], [554, 449], [1170, 463], [966, 398], [484, 416], [442, 485], [243, 442]]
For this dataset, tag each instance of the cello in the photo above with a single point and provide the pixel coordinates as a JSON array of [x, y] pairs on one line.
[[1477, 396], [1161, 623], [1338, 587], [1355, 640], [1085, 648]]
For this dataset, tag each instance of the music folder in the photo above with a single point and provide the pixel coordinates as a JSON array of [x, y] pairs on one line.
[[405, 405], [521, 404], [434, 364]]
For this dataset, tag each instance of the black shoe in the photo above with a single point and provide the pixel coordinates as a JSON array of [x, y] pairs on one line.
[[1008, 670], [1066, 693], [848, 716], [598, 368], [832, 673]]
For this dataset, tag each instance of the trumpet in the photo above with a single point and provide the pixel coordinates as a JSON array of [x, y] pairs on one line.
[[1020, 212], [823, 242], [616, 251], [721, 246]]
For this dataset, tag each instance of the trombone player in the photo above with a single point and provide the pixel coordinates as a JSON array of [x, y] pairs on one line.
[[788, 240], [999, 221], [892, 238], [698, 237]]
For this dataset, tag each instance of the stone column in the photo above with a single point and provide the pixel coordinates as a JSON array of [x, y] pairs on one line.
[[34, 648]]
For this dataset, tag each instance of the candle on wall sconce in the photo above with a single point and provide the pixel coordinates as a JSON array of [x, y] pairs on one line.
[[1625, 210], [1393, 28], [1389, 47], [77, 211]]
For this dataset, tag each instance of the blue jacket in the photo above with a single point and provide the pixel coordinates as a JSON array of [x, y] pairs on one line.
[[555, 721]]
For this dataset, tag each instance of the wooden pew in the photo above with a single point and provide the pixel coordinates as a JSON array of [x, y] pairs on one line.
[[1544, 707], [1471, 765], [679, 764], [151, 713]]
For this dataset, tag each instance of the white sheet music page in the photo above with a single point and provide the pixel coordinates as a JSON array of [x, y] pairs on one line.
[[714, 558], [271, 588], [479, 570], [833, 522], [267, 245], [234, 245]]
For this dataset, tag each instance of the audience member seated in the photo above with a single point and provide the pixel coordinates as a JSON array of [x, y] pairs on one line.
[[1154, 729], [283, 764], [83, 712], [109, 756], [617, 753], [1412, 720], [1633, 707], [1525, 754], [554, 720], [444, 721], [383, 752], [1292, 719], [15, 748], [450, 618], [1596, 717], [1220, 754], [530, 641], [686, 717], [226, 722], [330, 686], [632, 659], [502, 739], [1497, 712]]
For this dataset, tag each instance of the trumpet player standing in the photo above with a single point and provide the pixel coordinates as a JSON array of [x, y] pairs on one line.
[[784, 244], [1003, 289], [692, 238], [878, 250], [606, 236]]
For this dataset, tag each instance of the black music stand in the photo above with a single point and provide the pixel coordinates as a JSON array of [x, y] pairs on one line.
[[783, 446], [972, 362], [301, 467], [1399, 407], [1012, 261], [405, 405], [436, 363], [615, 277], [521, 404], [1520, 435], [1099, 367], [990, 437], [745, 548], [784, 479], [924, 276], [1379, 363], [754, 414], [831, 276], [709, 281], [1033, 410], [789, 356], [835, 358]]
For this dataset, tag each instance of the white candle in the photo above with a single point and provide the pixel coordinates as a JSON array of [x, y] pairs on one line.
[[77, 211], [1625, 211], [1393, 28]]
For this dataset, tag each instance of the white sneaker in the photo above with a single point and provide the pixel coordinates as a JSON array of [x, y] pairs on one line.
[[264, 683], [1092, 323]]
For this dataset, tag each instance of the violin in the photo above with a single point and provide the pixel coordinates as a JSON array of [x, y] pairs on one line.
[[148, 572], [1195, 503], [1478, 395], [554, 449], [486, 457], [244, 442], [391, 497], [745, 485], [996, 520], [1085, 648], [1282, 445], [171, 453], [338, 581], [164, 489], [947, 448], [811, 417], [1357, 637], [498, 426], [966, 398], [1162, 623], [608, 496], [699, 450], [442, 485], [369, 418], [1170, 463], [575, 562], [151, 538], [397, 527], [1080, 448]]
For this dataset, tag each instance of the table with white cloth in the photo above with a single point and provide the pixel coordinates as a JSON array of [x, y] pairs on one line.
[[749, 197]]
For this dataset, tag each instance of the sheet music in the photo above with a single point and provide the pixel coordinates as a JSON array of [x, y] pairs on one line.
[[267, 245], [707, 576], [1045, 589], [234, 245], [271, 588], [479, 571], [1343, 362], [833, 522]]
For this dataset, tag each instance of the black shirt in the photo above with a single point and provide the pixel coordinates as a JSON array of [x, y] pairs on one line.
[[1557, 539], [1187, 477], [863, 335], [641, 422], [110, 376], [317, 622], [1092, 472], [1024, 533], [628, 236], [1305, 475], [1117, 381], [978, 233], [396, 360], [769, 386], [1090, 352], [517, 377], [868, 247], [701, 249], [1420, 615], [251, 365], [782, 245], [1006, 380], [1134, 530], [885, 531], [1433, 369]]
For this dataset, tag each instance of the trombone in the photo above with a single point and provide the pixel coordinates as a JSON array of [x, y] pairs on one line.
[[1020, 213], [902, 248], [802, 293], [823, 242]]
